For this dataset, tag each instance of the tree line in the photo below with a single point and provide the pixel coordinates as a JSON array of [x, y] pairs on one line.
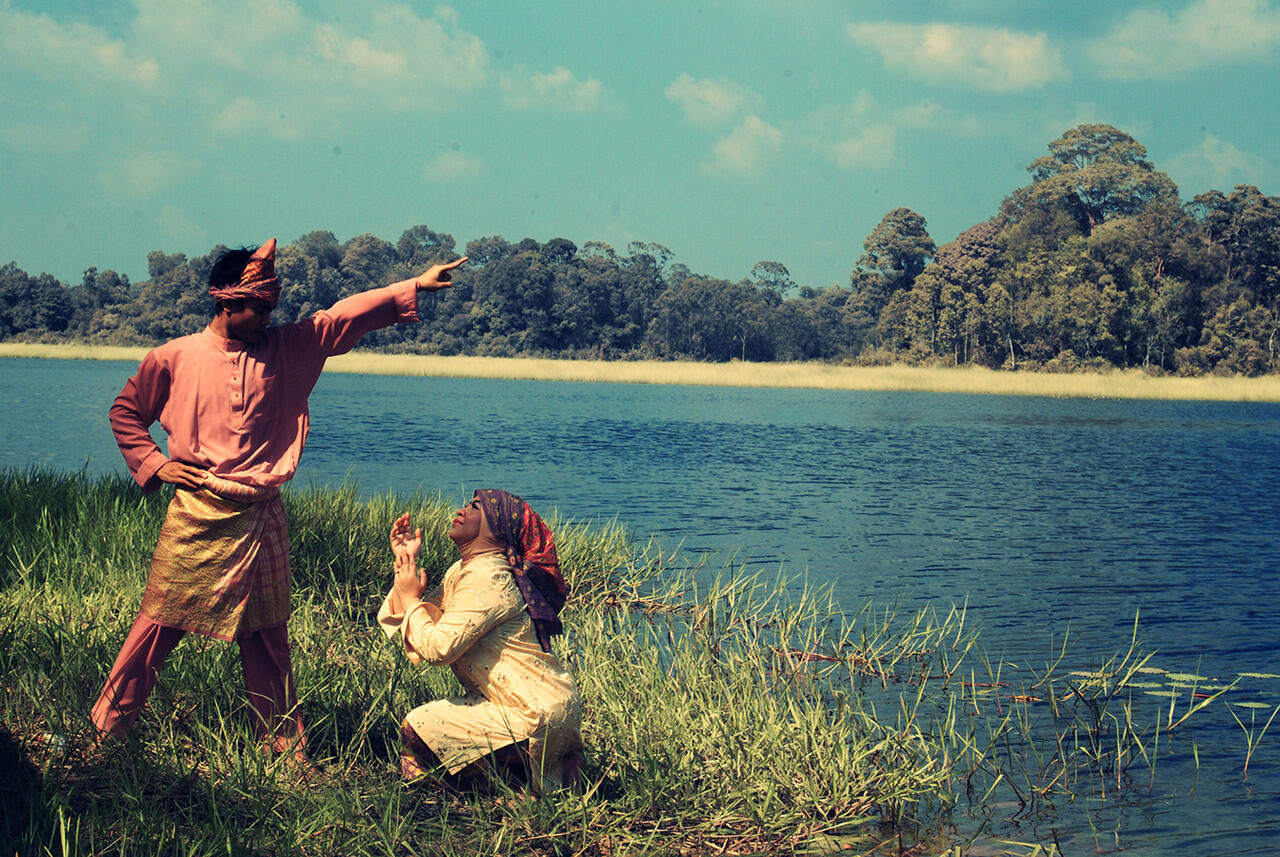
[[1096, 262]]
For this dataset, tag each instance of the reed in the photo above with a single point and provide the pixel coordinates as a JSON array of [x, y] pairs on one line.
[[726, 712], [1125, 384], [72, 351], [1252, 734]]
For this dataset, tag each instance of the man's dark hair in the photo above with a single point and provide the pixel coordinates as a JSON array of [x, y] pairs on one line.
[[228, 267], [226, 271]]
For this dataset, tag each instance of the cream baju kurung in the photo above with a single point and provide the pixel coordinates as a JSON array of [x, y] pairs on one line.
[[515, 690]]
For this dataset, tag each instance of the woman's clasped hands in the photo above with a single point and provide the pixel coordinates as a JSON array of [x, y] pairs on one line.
[[410, 581]]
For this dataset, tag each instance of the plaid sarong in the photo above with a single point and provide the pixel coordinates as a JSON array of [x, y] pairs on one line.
[[221, 565]]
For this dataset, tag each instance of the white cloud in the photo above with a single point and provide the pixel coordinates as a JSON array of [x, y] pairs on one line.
[[144, 174], [557, 90], [401, 49], [1152, 42], [708, 101], [840, 120], [260, 116], [224, 36], [453, 167], [387, 57], [1215, 163], [358, 56], [874, 147], [747, 148], [997, 60], [930, 115], [864, 134], [38, 45], [234, 66]]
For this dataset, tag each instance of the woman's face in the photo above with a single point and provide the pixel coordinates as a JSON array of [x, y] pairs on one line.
[[468, 523]]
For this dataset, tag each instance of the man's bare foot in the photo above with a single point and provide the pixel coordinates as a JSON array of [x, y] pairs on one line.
[[292, 753]]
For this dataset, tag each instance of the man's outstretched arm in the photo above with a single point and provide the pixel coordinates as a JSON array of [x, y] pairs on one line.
[[340, 327]]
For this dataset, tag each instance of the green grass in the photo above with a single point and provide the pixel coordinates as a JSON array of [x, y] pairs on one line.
[[725, 712]]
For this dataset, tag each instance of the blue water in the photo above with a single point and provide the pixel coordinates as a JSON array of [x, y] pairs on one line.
[[1043, 515]]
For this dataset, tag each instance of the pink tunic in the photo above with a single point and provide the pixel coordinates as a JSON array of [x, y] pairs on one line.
[[240, 410]]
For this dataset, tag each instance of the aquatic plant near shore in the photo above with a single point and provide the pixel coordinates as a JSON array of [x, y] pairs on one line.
[[726, 712]]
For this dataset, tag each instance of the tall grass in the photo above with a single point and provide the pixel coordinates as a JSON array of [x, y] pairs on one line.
[[1123, 384], [724, 712]]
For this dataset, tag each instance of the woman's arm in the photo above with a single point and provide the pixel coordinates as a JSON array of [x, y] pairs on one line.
[[408, 582], [391, 618], [480, 598]]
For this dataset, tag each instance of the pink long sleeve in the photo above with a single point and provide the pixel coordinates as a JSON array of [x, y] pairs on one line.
[[132, 413], [238, 410]]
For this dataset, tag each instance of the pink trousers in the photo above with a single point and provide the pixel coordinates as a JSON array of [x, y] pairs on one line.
[[268, 680]]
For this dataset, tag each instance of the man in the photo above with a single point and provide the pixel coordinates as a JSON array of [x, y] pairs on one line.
[[233, 401]]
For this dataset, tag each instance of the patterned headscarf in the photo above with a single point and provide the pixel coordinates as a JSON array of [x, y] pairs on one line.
[[531, 551], [258, 279]]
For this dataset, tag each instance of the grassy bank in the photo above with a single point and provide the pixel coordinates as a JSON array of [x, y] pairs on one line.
[[725, 713], [1122, 384]]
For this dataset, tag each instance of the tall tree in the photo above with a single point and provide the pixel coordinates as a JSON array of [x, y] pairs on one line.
[[174, 301], [513, 299], [1241, 231], [366, 261], [709, 319], [1095, 172], [420, 247], [894, 254], [32, 304], [1001, 322], [940, 295], [1240, 337], [98, 293], [895, 251], [322, 246], [771, 276]]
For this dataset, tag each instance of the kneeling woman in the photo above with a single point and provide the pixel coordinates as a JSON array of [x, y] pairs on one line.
[[492, 622]]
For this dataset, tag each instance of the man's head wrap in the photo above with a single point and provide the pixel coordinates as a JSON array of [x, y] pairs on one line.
[[531, 552], [258, 279]]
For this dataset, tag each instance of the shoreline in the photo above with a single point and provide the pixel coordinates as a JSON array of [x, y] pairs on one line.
[[1116, 384]]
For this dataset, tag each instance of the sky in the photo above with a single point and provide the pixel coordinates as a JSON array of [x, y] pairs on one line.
[[729, 131]]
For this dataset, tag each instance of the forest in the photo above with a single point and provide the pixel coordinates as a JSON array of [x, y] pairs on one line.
[[1096, 262]]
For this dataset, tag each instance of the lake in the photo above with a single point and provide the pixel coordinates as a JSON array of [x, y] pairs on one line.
[[1041, 514]]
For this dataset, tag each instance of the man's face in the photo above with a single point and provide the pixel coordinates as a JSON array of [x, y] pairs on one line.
[[250, 322]]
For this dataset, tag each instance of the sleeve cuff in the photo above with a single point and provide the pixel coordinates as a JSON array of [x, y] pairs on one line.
[[420, 608], [389, 620], [146, 474], [392, 623], [406, 300]]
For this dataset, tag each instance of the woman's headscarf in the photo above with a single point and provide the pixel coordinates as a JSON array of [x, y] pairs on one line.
[[531, 552]]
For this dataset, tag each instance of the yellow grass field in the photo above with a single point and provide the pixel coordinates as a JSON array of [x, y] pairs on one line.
[[1120, 384]]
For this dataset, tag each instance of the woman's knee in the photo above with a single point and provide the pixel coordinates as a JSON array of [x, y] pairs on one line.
[[413, 747], [411, 740]]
